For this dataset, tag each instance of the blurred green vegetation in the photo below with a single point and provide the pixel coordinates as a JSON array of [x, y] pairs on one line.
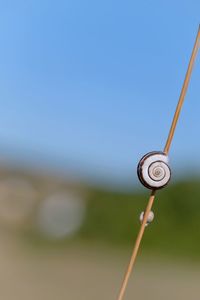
[[113, 218], [110, 218]]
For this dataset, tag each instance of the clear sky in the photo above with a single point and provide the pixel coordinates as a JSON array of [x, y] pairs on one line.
[[91, 86]]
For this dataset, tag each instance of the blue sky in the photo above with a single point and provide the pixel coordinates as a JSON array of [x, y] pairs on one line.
[[90, 86]]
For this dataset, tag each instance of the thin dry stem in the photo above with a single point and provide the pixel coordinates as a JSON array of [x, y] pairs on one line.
[[137, 245], [183, 93], [166, 150]]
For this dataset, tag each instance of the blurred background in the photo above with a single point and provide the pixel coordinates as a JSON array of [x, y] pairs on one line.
[[87, 88]]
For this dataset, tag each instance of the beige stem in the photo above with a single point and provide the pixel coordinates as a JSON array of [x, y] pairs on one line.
[[166, 150], [183, 93], [137, 245]]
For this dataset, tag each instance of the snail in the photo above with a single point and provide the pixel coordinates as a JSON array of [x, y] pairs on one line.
[[153, 170], [149, 219]]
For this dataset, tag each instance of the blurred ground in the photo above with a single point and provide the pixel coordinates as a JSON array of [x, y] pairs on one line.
[[65, 240], [83, 272]]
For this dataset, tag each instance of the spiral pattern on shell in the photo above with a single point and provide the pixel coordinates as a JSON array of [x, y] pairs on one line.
[[153, 170]]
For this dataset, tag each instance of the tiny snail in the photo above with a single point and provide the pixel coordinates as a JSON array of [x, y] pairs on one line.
[[153, 170], [149, 219]]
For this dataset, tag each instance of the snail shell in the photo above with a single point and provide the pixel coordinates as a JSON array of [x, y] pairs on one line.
[[153, 170], [149, 219]]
